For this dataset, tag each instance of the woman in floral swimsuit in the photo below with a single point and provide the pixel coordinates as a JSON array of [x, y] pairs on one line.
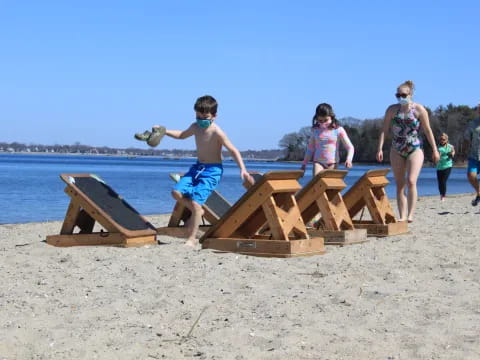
[[406, 155]]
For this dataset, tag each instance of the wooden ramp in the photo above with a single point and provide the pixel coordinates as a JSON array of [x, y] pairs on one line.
[[91, 200], [271, 203], [322, 196], [369, 192], [214, 208]]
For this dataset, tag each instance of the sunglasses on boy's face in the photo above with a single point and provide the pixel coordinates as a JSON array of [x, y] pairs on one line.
[[403, 96]]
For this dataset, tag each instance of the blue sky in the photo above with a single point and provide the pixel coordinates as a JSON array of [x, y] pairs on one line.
[[98, 71]]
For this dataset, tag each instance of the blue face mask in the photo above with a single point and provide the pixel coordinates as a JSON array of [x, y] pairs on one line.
[[403, 101], [204, 123]]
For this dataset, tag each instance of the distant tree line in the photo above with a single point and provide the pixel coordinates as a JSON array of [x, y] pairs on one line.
[[364, 134]]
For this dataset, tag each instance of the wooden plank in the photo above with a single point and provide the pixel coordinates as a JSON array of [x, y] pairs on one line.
[[281, 186], [379, 230], [293, 220], [332, 174], [376, 172], [344, 237], [282, 175], [141, 241], [100, 239], [377, 181], [179, 231], [334, 183], [274, 219], [241, 210], [70, 218], [86, 239], [269, 248]]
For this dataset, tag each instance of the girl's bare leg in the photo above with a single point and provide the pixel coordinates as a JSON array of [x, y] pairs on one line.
[[317, 168]]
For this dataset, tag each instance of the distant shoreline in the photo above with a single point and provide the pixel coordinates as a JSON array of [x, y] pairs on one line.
[[426, 164], [32, 153]]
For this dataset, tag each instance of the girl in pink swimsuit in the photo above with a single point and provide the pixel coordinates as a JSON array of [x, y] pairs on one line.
[[323, 145]]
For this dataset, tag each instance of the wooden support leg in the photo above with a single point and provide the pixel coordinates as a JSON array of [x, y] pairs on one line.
[[70, 218], [293, 219], [274, 219]]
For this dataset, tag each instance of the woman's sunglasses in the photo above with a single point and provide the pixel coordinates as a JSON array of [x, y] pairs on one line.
[[401, 95]]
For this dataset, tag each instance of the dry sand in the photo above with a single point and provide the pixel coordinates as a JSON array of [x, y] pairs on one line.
[[414, 296]]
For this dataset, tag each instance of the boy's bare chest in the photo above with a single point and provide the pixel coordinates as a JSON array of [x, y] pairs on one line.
[[204, 137]]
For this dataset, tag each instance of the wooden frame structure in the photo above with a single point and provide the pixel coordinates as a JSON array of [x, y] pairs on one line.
[[369, 192], [92, 200], [322, 196], [269, 203], [215, 206]]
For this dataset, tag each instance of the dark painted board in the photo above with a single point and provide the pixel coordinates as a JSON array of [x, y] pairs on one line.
[[111, 203]]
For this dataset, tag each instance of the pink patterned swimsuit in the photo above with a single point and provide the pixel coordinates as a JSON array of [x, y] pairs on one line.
[[323, 146]]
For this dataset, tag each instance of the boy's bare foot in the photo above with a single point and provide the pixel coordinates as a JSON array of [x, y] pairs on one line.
[[193, 243]]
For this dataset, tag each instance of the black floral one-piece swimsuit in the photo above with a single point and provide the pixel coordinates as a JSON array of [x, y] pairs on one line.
[[406, 137]]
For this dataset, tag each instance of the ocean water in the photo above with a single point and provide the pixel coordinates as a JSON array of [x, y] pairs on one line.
[[32, 191]]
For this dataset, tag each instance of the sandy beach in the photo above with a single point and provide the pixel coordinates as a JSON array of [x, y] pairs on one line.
[[412, 296]]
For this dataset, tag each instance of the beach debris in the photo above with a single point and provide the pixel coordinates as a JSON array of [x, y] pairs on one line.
[[26, 244], [189, 334]]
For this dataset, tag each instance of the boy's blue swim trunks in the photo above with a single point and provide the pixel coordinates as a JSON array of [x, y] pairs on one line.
[[199, 182], [473, 166]]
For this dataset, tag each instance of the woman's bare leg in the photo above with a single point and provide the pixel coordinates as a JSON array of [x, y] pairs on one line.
[[399, 168], [414, 166]]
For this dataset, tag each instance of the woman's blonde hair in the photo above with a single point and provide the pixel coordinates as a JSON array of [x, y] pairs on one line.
[[409, 84], [443, 135]]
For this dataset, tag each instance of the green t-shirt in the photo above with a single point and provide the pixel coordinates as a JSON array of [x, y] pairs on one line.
[[445, 161]]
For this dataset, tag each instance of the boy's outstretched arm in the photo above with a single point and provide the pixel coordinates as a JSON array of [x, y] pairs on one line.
[[180, 134], [238, 158]]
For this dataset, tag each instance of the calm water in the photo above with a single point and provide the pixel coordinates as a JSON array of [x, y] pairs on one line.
[[31, 190]]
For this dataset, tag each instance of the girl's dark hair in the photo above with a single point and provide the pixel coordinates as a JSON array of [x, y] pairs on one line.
[[322, 110], [206, 105]]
